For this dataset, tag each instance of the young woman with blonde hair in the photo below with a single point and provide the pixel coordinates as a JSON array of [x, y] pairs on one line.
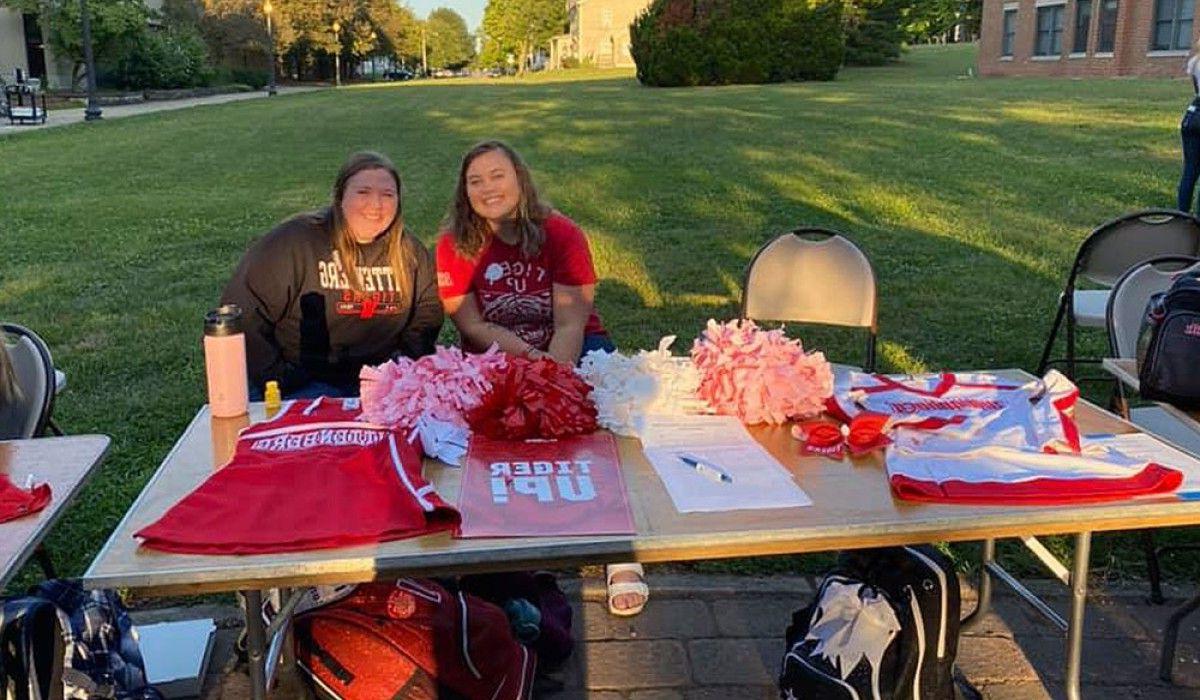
[[328, 291]]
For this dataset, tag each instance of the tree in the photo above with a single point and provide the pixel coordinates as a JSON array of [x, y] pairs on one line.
[[448, 41], [115, 25], [875, 31], [936, 20], [519, 27]]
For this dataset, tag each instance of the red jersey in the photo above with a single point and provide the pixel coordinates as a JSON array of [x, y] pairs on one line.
[[16, 502], [315, 476], [514, 291]]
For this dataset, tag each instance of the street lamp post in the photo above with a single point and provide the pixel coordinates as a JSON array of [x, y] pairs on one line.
[[337, 54], [92, 112], [267, 8]]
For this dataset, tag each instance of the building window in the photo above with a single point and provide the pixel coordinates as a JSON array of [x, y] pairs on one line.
[[1049, 31], [1108, 27], [1010, 32], [1173, 25], [1083, 22]]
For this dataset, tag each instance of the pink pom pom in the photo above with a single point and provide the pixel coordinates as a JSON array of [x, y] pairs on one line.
[[760, 376], [444, 386]]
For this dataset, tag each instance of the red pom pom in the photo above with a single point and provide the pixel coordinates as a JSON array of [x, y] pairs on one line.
[[534, 399]]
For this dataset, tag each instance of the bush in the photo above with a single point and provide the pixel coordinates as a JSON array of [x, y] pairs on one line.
[[720, 42], [255, 78], [570, 62], [164, 60]]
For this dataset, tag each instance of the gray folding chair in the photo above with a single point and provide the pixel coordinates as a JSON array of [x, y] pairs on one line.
[[1123, 319], [1105, 255], [28, 414], [813, 275]]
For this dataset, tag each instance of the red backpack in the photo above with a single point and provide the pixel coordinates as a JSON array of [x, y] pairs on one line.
[[415, 640]]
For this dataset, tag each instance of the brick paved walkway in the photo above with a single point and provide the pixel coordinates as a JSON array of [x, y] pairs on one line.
[[720, 638]]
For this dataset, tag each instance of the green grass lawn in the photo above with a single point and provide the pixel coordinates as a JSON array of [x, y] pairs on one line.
[[969, 195]]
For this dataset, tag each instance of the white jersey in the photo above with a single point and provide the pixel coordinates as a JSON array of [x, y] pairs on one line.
[[981, 439], [982, 408]]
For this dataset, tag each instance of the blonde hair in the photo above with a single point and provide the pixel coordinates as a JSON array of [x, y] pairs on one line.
[[10, 391], [343, 238]]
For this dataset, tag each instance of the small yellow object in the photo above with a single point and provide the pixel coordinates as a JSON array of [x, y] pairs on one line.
[[272, 398]]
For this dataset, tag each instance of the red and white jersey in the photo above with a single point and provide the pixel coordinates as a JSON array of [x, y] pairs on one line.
[[982, 408], [974, 438], [314, 476]]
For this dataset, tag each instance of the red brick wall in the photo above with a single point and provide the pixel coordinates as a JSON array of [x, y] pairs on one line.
[[1135, 23]]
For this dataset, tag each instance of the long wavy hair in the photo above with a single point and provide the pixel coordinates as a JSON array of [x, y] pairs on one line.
[[471, 231], [399, 256]]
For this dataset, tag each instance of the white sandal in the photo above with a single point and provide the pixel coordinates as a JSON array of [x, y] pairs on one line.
[[625, 587]]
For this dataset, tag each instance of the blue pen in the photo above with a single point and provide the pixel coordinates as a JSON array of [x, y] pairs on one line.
[[707, 469]]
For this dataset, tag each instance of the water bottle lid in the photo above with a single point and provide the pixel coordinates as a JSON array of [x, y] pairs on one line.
[[223, 320]]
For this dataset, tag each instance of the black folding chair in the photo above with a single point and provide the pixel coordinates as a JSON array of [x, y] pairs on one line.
[[1105, 255]]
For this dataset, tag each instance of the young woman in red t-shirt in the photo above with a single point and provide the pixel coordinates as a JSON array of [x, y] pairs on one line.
[[514, 272]]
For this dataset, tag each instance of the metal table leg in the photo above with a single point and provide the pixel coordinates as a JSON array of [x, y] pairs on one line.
[[1079, 573], [256, 644], [1171, 637], [987, 557]]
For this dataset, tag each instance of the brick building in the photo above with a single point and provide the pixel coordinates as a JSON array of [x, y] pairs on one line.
[[1086, 37]]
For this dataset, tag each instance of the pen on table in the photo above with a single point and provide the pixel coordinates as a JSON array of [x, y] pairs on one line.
[[707, 468]]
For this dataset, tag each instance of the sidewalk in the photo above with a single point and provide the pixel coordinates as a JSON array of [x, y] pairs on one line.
[[721, 638], [62, 117]]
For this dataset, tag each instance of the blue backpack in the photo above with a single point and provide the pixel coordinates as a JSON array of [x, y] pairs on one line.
[[102, 660]]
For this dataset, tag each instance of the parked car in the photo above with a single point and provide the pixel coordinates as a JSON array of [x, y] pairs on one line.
[[399, 74]]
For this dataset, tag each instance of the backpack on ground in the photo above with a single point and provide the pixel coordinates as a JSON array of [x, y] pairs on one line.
[[102, 660], [537, 610], [884, 626], [31, 650], [411, 639], [1169, 345]]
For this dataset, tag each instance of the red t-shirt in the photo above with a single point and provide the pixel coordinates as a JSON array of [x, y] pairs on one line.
[[514, 291]]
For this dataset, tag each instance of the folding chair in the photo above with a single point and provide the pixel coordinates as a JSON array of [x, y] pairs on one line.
[[813, 275], [1123, 316], [1110, 250], [28, 416]]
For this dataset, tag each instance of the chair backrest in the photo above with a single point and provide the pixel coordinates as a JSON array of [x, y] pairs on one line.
[[1118, 245], [810, 275], [1127, 302], [27, 415]]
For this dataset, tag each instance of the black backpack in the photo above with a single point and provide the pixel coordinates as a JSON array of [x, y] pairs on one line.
[[31, 650], [1169, 345], [884, 625]]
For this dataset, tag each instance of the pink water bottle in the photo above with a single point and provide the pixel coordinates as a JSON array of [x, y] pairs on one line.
[[225, 362]]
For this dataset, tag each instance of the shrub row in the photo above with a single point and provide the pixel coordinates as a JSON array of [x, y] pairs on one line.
[[719, 42]]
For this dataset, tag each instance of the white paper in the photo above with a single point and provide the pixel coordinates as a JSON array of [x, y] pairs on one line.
[[1151, 449], [693, 431], [759, 480]]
